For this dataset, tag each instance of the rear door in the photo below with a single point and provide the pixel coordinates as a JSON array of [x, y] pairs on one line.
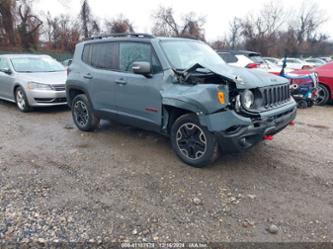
[[100, 59], [6, 80], [138, 97]]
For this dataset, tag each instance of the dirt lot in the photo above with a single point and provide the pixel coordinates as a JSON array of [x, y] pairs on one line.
[[120, 183]]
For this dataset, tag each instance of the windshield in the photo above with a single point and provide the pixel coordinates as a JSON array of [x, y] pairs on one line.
[[36, 65], [182, 54]]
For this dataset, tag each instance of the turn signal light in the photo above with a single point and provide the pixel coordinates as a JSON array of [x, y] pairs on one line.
[[220, 97]]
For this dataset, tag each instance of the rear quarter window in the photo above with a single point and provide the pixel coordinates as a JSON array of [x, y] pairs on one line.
[[86, 54]]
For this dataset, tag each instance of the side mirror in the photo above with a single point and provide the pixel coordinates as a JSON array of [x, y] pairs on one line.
[[6, 71], [141, 67]]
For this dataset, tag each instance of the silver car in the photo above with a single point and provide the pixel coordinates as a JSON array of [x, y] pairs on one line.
[[32, 81]]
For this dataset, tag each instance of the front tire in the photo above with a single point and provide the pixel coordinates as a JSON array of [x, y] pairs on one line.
[[22, 100], [323, 95], [193, 143], [83, 115]]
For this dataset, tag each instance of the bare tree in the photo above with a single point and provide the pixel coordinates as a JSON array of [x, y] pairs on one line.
[[119, 25], [193, 27], [260, 30], [165, 24], [235, 29], [7, 21], [88, 24], [62, 32], [29, 25], [308, 21]]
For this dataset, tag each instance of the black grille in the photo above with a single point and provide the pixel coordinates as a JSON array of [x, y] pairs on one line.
[[59, 87], [50, 100], [275, 95]]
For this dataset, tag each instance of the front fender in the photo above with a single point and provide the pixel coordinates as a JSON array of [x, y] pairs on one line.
[[181, 104], [201, 98]]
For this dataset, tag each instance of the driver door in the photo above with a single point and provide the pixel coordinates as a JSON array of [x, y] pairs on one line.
[[138, 97]]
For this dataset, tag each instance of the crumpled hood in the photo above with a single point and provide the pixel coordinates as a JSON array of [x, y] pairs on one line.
[[246, 78], [52, 78]]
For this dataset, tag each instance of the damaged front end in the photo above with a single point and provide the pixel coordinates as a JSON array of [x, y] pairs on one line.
[[247, 112]]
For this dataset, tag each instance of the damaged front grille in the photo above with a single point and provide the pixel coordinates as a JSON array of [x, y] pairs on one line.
[[275, 95]]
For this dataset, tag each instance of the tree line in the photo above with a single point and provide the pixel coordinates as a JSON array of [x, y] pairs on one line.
[[272, 30]]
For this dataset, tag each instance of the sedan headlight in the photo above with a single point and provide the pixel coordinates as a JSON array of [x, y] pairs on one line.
[[247, 99], [38, 86]]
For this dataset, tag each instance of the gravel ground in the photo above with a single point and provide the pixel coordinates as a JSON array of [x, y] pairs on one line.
[[124, 184]]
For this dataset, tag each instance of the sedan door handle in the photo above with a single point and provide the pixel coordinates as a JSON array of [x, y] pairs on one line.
[[88, 76], [121, 82]]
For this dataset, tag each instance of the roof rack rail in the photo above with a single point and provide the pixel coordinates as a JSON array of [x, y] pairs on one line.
[[137, 35]]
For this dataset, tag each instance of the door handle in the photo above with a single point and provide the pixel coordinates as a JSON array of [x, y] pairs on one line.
[[121, 82], [88, 76]]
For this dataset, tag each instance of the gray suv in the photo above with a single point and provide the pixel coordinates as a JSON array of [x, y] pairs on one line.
[[180, 88]]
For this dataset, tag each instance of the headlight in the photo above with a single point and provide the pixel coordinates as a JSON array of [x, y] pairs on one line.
[[38, 86], [247, 99]]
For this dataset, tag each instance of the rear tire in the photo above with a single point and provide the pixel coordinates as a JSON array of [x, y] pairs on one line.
[[21, 99], [323, 95], [193, 143], [83, 115]]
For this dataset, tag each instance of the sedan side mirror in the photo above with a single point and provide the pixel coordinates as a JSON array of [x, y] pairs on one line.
[[141, 67], [6, 71]]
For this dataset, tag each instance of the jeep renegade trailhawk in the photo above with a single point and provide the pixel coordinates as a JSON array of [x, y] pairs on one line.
[[177, 87]]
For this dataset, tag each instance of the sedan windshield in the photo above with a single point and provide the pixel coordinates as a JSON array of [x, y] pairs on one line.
[[182, 54], [36, 65]]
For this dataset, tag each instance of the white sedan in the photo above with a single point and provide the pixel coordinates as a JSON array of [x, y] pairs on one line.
[[295, 63]]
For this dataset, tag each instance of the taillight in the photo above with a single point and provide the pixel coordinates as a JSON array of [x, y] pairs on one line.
[[252, 65]]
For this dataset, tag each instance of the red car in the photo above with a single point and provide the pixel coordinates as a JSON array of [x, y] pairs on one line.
[[325, 87]]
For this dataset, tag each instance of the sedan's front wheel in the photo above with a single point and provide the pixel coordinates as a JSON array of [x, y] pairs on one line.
[[21, 100], [193, 143]]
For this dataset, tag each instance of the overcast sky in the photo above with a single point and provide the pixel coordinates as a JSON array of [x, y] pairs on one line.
[[218, 13]]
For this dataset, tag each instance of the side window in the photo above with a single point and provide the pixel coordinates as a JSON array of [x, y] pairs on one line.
[[4, 63], [103, 55], [130, 52], [86, 54]]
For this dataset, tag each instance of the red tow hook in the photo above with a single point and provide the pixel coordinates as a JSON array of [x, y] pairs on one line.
[[292, 123], [268, 138]]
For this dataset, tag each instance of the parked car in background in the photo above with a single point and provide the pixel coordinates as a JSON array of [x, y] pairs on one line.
[[272, 60], [316, 61], [32, 81], [327, 59], [325, 87], [295, 63], [274, 68], [177, 87], [242, 58]]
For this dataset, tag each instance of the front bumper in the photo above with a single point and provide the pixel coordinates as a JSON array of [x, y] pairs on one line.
[[238, 133], [38, 98]]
